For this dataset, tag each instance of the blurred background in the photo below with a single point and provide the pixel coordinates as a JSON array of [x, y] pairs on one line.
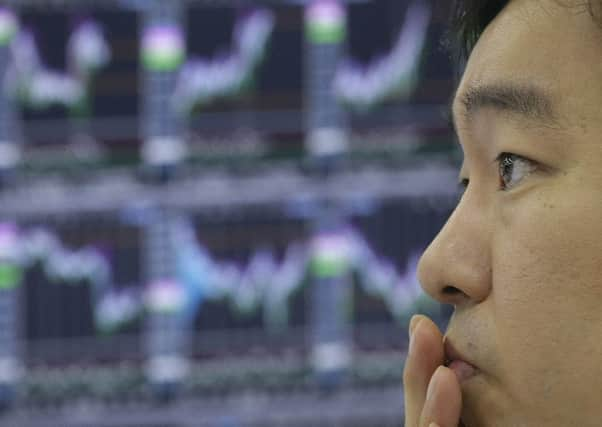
[[211, 211]]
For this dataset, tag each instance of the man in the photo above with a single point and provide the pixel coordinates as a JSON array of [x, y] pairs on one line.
[[520, 258]]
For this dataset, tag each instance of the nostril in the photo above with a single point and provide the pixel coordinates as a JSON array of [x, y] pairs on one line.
[[452, 295], [450, 290]]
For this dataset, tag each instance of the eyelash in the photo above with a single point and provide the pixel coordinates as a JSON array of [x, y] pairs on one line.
[[504, 159], [511, 159]]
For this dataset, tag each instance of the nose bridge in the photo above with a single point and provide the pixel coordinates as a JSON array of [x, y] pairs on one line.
[[456, 267]]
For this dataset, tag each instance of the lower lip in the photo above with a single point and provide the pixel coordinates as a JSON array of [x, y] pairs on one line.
[[463, 370]]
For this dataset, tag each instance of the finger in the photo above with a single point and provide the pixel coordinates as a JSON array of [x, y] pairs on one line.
[[424, 356], [443, 403]]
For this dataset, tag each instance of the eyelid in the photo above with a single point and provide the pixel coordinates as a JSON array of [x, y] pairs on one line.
[[534, 165], [509, 153]]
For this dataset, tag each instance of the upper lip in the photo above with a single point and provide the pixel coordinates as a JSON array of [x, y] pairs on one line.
[[451, 353]]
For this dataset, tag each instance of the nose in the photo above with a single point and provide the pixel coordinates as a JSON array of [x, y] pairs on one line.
[[456, 267]]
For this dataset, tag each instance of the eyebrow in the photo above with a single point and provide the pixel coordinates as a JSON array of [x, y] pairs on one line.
[[523, 102]]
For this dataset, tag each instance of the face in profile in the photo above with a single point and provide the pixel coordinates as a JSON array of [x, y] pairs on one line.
[[521, 256]]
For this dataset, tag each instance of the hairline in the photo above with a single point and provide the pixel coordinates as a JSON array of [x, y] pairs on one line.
[[467, 26]]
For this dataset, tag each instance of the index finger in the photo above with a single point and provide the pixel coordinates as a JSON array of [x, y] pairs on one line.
[[424, 356]]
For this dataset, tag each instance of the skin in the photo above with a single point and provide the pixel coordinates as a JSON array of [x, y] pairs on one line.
[[522, 266]]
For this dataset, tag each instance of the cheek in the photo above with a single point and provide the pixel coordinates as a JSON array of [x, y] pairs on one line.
[[547, 291], [547, 247]]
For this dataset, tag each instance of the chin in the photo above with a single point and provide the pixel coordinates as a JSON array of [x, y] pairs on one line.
[[481, 407], [485, 417], [468, 419]]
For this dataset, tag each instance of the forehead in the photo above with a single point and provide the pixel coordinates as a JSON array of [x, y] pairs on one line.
[[553, 45]]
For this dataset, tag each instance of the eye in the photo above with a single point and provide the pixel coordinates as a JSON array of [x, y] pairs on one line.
[[513, 169]]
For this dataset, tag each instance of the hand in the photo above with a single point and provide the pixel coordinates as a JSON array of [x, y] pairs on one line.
[[431, 391]]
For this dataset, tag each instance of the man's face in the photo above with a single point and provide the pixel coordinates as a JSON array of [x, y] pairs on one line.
[[521, 256]]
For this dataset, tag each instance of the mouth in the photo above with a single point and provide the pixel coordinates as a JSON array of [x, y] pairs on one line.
[[458, 363]]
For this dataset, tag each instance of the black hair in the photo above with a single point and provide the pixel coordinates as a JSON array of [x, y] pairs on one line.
[[469, 20], [471, 17]]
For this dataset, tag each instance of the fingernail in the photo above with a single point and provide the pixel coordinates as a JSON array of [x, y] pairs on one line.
[[414, 322]]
